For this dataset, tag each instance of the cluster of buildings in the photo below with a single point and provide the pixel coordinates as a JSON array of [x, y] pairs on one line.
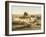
[[27, 20]]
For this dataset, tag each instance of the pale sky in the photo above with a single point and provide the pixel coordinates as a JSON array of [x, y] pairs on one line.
[[29, 9]]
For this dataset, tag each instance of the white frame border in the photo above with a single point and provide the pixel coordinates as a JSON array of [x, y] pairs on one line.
[[24, 32]]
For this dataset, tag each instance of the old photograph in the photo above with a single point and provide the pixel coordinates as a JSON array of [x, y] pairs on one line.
[[26, 18]]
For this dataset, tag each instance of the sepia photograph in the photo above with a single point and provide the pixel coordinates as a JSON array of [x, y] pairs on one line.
[[24, 18]]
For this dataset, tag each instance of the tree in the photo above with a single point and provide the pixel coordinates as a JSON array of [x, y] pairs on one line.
[[25, 13]]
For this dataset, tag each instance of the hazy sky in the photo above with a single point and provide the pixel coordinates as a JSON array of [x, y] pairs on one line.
[[29, 9]]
